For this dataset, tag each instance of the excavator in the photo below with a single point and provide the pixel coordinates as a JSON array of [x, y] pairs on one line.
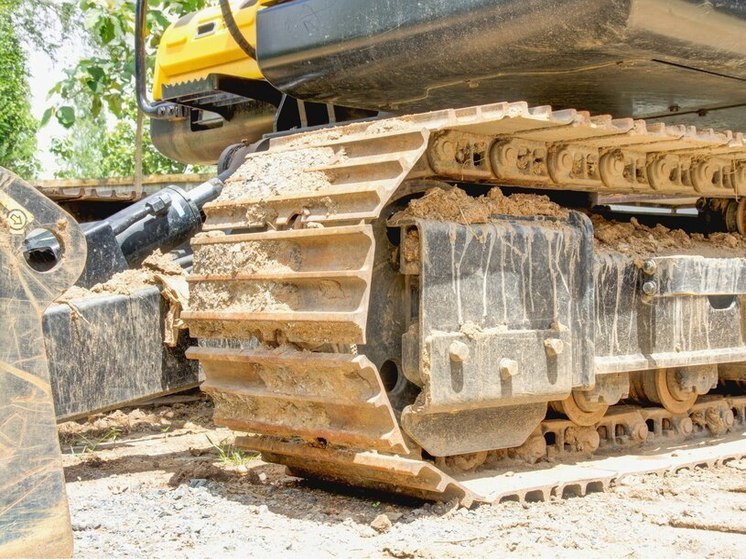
[[447, 257]]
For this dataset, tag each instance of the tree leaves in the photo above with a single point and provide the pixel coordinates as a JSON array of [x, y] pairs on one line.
[[17, 125], [47, 116], [65, 116], [102, 85], [95, 152]]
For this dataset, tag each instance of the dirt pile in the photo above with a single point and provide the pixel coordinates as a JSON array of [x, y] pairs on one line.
[[630, 238], [155, 267], [639, 241], [144, 419], [454, 204], [247, 258]]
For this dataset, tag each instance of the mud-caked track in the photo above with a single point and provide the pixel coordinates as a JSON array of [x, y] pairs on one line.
[[418, 351]]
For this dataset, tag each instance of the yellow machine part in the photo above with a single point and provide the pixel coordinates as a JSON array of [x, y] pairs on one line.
[[200, 44]]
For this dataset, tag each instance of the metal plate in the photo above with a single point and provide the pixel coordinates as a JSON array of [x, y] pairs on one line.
[[34, 519]]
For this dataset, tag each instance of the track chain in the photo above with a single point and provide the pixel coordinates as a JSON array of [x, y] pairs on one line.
[[287, 258]]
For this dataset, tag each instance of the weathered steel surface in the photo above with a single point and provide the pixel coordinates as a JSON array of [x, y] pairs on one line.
[[34, 519], [108, 351], [696, 318], [637, 58], [308, 285], [333, 399], [493, 298]]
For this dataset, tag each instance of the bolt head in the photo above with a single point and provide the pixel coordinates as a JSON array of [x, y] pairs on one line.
[[554, 346], [649, 267], [640, 432], [508, 368], [728, 418], [565, 160], [649, 288], [685, 426], [458, 352]]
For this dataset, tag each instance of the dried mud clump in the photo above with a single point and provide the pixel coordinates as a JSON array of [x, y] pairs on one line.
[[630, 238], [639, 241], [247, 258], [454, 204], [130, 281], [257, 297], [265, 175], [633, 238]]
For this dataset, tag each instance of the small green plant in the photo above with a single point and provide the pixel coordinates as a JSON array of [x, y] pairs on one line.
[[229, 453], [90, 445]]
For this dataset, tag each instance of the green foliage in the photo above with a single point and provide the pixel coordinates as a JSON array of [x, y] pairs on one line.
[[43, 24], [17, 125], [91, 150], [98, 84], [89, 445], [101, 88], [229, 454]]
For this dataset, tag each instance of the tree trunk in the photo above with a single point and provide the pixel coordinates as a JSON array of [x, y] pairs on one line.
[[138, 154]]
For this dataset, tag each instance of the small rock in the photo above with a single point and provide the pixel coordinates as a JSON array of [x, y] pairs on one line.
[[118, 489], [394, 516], [83, 526], [381, 524], [199, 482], [198, 451], [257, 478]]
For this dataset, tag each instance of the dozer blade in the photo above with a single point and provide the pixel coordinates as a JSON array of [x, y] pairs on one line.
[[34, 518]]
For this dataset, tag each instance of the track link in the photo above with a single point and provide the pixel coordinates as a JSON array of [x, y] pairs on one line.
[[288, 259]]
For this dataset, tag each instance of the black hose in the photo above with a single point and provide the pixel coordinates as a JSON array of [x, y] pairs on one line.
[[162, 109], [230, 23]]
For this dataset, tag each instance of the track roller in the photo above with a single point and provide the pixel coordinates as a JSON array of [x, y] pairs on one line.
[[580, 410], [674, 389]]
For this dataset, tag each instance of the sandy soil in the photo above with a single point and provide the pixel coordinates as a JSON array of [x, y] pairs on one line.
[[454, 204], [631, 238], [154, 267], [152, 483]]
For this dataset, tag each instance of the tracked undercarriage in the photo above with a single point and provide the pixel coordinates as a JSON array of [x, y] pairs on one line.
[[357, 343]]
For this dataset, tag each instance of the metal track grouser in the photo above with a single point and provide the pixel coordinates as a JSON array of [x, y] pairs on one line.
[[375, 346]]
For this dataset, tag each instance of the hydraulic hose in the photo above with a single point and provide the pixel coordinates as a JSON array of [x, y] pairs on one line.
[[162, 109]]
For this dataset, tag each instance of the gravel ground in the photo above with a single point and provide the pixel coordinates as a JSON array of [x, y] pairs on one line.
[[165, 482]]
